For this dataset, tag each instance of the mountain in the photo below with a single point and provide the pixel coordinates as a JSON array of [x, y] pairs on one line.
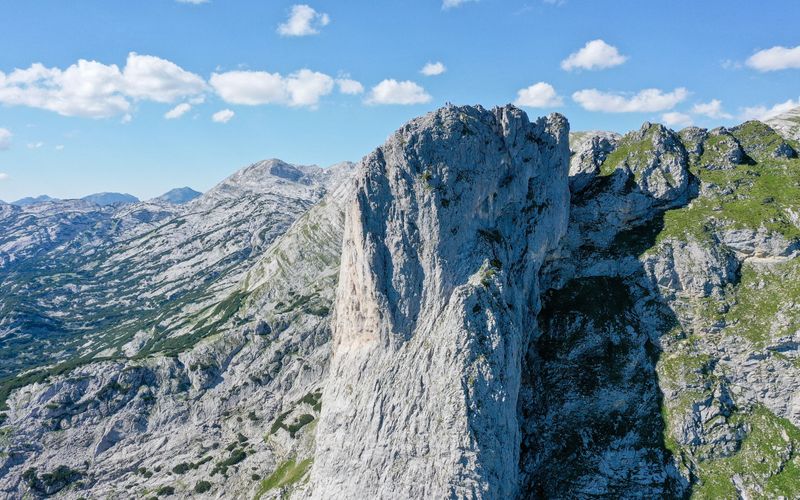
[[112, 269], [787, 124], [179, 196], [484, 307], [104, 199], [22, 202]]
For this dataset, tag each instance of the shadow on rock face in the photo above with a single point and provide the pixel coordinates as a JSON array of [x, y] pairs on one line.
[[590, 406]]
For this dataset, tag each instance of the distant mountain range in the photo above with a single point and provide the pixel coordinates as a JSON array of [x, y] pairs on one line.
[[177, 196], [32, 200]]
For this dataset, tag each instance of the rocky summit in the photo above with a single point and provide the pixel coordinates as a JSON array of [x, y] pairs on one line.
[[484, 307]]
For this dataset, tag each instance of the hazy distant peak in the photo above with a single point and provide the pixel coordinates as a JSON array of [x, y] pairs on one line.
[[104, 199], [32, 200], [179, 196]]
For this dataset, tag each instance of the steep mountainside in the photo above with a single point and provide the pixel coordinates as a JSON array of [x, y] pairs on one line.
[[434, 309], [100, 283], [496, 329]]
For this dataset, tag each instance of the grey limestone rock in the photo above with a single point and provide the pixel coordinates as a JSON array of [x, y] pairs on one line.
[[434, 308]]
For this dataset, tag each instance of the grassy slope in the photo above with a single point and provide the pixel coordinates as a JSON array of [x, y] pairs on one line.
[[763, 194]]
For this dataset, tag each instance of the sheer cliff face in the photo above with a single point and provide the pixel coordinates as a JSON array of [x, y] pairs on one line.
[[437, 296]]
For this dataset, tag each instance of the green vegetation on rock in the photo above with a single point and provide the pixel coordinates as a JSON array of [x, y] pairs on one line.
[[287, 474]]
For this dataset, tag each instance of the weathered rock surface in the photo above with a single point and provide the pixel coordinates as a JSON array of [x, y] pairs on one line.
[[787, 124], [589, 150], [434, 309]]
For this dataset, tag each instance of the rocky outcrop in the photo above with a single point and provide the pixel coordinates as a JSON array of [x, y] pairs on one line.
[[589, 150], [721, 151], [434, 309], [761, 142], [787, 124]]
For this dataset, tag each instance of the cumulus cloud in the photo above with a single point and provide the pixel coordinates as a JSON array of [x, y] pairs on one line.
[[35, 145], [676, 119], [433, 69], [647, 100], [60, 147], [178, 111], [711, 109], [194, 2], [222, 116], [394, 92], [596, 54], [5, 139], [156, 79], [3, 176], [303, 21], [765, 113], [348, 86], [96, 90], [775, 59], [539, 95], [301, 88]]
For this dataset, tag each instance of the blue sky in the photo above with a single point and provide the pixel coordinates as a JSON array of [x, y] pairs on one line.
[[68, 128]]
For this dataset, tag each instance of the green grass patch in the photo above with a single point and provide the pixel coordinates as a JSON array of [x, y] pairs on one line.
[[287, 474]]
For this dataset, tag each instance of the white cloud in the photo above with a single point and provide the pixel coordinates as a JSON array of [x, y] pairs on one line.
[[194, 2], [433, 69], [178, 111], [60, 147], [394, 92], [676, 119], [596, 54], [35, 145], [3, 176], [303, 21], [306, 87], [5, 139], [647, 100], [96, 90], [86, 88], [348, 86], [711, 109], [127, 118], [764, 113], [222, 116], [156, 79], [301, 88], [776, 58], [539, 95], [449, 4]]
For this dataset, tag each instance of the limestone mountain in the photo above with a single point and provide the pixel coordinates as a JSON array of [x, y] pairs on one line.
[[30, 200], [484, 307], [787, 124], [104, 199], [179, 196], [125, 277]]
